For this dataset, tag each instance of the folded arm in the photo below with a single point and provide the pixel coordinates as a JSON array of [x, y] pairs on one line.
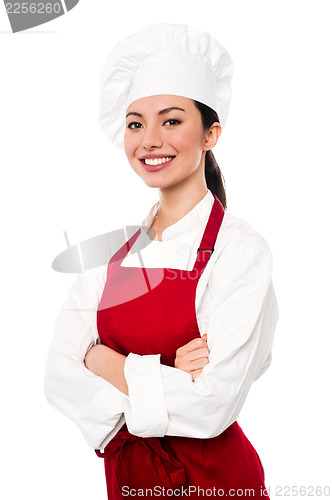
[[165, 401], [92, 402]]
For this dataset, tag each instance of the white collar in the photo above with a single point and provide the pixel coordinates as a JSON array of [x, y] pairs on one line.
[[189, 223]]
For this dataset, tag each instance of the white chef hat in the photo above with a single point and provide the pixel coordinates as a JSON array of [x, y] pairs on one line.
[[163, 58]]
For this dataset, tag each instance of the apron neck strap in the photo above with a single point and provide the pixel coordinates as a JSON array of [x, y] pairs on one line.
[[208, 240], [206, 246], [119, 256]]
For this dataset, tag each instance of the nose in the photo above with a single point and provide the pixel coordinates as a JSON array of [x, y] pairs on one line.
[[152, 137]]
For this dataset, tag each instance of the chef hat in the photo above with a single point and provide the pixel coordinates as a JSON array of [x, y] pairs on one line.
[[163, 58]]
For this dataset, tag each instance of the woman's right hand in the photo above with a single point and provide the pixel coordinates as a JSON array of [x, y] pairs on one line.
[[192, 357]]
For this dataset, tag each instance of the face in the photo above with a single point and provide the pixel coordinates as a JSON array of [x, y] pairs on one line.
[[164, 139]]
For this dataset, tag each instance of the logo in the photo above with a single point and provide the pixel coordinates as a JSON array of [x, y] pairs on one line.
[[25, 15], [98, 250], [111, 249]]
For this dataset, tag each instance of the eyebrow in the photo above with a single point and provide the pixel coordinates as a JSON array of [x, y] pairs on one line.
[[161, 112]]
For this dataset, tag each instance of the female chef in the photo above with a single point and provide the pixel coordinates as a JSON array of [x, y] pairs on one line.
[[129, 363]]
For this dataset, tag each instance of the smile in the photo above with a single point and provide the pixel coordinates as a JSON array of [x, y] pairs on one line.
[[155, 164], [157, 161]]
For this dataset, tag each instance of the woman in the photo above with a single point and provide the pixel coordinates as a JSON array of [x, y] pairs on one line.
[[156, 398]]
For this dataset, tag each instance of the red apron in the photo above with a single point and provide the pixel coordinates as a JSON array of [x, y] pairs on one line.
[[152, 311]]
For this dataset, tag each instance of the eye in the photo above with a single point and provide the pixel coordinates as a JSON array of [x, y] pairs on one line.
[[133, 123], [175, 122]]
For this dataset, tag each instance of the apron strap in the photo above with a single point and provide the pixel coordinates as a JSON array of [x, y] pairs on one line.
[[205, 248], [208, 240], [123, 251]]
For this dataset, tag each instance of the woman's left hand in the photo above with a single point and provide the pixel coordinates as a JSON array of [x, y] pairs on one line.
[[193, 356]]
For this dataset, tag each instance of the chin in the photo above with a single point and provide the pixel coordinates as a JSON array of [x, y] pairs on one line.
[[155, 184]]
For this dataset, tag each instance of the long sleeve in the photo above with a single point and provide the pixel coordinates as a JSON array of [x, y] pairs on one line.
[[93, 403], [240, 333]]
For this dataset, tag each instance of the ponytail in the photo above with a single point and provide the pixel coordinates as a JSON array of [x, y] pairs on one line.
[[213, 176]]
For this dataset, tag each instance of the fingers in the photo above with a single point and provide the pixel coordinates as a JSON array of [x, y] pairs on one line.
[[193, 356], [197, 364], [202, 352], [195, 374], [193, 360], [188, 356], [194, 344], [190, 365]]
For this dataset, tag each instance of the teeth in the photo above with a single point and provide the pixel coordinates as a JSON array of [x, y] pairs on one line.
[[158, 161]]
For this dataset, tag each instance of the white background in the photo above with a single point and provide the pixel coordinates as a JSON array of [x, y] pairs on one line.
[[59, 172]]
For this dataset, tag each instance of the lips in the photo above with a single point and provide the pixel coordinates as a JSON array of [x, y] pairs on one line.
[[155, 157], [156, 168]]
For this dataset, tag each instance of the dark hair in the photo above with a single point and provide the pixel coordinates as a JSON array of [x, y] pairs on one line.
[[213, 176]]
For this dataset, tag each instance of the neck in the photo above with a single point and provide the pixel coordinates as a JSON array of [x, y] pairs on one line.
[[176, 202]]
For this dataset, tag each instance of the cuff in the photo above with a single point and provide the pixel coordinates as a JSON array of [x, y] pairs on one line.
[[101, 416], [145, 408]]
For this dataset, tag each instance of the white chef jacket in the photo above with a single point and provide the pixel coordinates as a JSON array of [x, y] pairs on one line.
[[235, 305]]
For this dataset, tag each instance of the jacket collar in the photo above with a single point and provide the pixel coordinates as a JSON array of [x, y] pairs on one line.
[[188, 225]]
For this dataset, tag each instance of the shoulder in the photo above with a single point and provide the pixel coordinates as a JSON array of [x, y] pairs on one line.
[[240, 246], [87, 286], [234, 228]]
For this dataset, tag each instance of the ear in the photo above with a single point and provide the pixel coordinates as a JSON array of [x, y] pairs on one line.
[[212, 136]]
